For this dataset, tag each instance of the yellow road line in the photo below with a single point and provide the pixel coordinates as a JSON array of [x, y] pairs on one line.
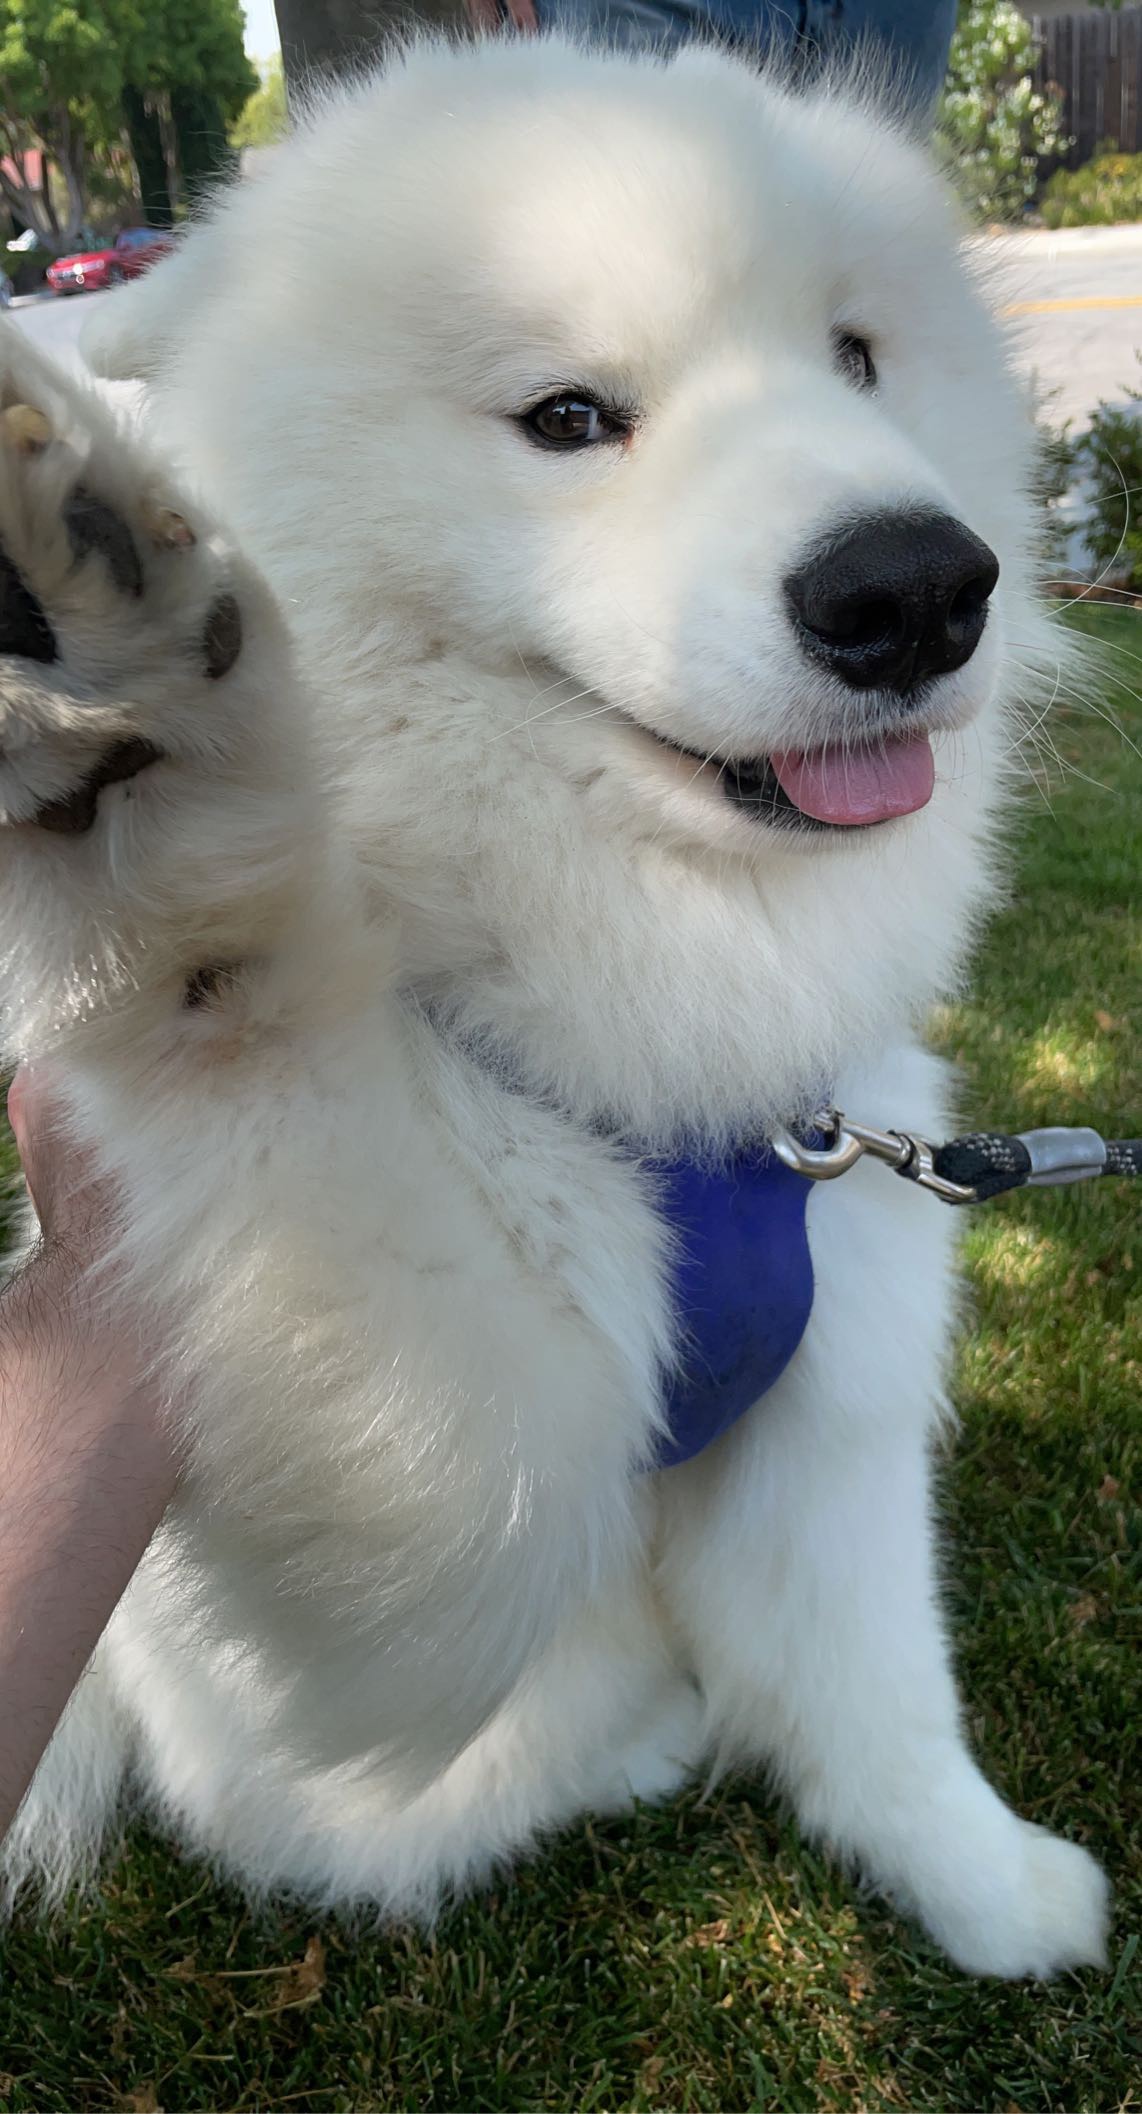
[[1054, 308]]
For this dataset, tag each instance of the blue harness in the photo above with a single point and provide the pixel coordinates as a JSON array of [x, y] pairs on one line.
[[742, 1279], [742, 1287]]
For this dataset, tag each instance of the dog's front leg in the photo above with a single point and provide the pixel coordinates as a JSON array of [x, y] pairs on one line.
[[800, 1564]]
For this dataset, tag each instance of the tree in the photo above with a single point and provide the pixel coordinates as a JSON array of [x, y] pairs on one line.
[[994, 125], [148, 148], [61, 78], [265, 118], [197, 45], [77, 77], [187, 60]]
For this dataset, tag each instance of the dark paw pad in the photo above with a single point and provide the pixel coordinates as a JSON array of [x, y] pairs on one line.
[[75, 812], [94, 526], [24, 629], [222, 639]]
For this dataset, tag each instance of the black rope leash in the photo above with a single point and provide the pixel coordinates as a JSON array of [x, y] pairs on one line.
[[968, 1170], [989, 1163]]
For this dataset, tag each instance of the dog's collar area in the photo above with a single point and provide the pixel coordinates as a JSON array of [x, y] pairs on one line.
[[741, 1272]]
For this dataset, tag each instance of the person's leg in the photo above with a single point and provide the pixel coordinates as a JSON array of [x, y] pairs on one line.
[[628, 25], [911, 38]]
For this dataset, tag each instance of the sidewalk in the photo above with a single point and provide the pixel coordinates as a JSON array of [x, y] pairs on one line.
[[1074, 242]]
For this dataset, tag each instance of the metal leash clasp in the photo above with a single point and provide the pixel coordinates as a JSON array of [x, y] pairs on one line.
[[901, 1150]]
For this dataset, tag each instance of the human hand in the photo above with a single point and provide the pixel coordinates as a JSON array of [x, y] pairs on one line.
[[60, 1312], [88, 1457], [70, 1340], [74, 1206]]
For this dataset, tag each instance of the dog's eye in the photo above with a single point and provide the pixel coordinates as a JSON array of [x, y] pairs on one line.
[[853, 357], [572, 422]]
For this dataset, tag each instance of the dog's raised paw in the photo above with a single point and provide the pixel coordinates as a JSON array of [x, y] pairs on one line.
[[167, 529], [153, 783], [24, 428], [24, 629], [116, 608]]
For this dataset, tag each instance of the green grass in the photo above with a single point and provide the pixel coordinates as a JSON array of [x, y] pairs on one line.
[[703, 1957]]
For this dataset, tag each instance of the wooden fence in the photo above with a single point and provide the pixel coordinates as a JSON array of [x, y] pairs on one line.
[[1095, 62]]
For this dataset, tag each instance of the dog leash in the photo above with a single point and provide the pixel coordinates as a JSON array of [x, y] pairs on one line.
[[967, 1170]]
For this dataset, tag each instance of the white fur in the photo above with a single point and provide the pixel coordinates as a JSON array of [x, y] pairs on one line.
[[416, 1603]]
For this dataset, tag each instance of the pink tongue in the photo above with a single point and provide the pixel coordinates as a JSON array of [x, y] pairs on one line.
[[859, 785]]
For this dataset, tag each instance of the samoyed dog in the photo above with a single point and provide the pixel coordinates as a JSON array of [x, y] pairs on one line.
[[529, 716]]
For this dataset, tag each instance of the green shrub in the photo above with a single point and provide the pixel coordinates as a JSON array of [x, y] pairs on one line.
[[994, 127], [1106, 190], [1110, 461], [1056, 470]]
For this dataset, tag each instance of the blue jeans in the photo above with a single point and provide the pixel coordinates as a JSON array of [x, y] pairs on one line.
[[912, 36]]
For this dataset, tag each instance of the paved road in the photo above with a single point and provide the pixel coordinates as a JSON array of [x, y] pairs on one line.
[[55, 323], [1074, 301]]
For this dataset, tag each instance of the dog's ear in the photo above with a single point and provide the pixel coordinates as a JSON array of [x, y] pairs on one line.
[[133, 335]]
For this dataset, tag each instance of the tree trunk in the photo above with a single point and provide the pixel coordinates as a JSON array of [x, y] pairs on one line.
[[169, 138], [324, 37], [204, 151], [145, 134], [29, 207], [70, 158], [49, 208]]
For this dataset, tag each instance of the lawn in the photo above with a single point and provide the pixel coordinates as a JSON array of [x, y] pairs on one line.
[[703, 1957]]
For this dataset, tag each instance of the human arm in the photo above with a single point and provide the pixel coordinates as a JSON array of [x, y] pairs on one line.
[[86, 1466]]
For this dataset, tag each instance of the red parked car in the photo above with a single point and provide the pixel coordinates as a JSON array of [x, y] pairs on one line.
[[133, 252]]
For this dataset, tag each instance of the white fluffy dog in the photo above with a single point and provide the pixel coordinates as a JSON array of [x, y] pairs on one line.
[[626, 449]]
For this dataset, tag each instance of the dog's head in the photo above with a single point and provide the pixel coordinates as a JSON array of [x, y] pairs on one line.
[[654, 404]]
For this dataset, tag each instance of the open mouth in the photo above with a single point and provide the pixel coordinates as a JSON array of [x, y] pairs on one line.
[[828, 788]]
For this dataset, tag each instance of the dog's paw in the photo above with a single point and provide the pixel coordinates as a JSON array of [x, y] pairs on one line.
[[117, 615], [156, 801], [1037, 1911]]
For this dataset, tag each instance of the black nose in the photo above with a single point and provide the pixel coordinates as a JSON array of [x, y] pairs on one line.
[[893, 599]]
